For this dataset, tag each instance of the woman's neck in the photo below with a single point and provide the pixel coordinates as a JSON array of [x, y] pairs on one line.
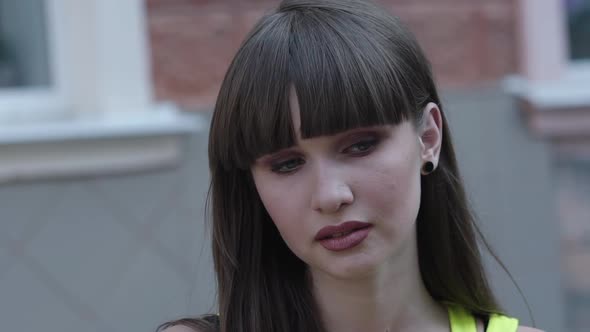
[[393, 298]]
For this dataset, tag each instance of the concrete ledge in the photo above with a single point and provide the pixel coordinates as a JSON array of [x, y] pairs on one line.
[[557, 110], [88, 146]]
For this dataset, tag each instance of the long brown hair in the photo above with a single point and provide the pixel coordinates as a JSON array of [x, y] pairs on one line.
[[351, 65]]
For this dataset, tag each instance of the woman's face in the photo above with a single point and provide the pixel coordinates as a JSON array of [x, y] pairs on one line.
[[365, 182]]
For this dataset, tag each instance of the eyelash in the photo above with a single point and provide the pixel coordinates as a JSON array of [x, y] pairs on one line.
[[369, 144], [277, 168]]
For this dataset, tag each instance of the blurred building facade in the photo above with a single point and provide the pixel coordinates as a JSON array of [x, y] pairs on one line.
[[104, 222], [468, 42]]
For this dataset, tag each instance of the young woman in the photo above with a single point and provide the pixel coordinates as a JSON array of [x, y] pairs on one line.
[[336, 199]]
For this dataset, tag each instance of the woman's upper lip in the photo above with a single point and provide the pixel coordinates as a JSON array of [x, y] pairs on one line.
[[347, 226]]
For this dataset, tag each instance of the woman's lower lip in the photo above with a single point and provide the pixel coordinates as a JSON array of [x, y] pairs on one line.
[[347, 241]]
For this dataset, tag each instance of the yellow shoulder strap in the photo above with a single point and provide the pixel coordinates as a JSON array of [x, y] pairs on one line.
[[500, 323], [461, 320]]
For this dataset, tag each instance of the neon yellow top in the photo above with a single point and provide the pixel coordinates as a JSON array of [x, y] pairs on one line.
[[463, 321]]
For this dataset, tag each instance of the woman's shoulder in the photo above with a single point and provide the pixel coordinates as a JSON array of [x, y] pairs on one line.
[[204, 323], [181, 328]]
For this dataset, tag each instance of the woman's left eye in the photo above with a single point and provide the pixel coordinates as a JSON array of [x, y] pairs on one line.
[[362, 147], [287, 166]]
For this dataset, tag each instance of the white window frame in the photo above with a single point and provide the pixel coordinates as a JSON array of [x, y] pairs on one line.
[[99, 115], [551, 89], [19, 104], [574, 64], [548, 78]]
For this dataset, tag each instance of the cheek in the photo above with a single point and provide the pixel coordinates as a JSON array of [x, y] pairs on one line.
[[394, 192], [287, 217], [284, 206]]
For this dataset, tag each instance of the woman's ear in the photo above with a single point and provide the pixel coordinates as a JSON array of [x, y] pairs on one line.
[[431, 134]]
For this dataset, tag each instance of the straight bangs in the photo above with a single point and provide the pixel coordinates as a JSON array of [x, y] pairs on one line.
[[343, 76]]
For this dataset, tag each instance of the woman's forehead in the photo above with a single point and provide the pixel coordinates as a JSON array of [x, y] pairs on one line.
[[295, 112]]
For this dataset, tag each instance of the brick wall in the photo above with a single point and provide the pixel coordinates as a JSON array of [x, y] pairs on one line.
[[468, 41]]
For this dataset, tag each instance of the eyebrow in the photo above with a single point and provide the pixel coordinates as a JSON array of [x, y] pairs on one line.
[[269, 157], [264, 159]]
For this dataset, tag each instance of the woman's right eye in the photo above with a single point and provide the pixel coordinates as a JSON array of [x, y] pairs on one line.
[[287, 166]]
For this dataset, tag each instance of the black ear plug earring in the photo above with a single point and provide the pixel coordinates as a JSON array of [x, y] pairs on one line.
[[427, 168]]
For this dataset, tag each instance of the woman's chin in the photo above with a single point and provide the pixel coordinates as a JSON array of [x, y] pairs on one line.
[[351, 268]]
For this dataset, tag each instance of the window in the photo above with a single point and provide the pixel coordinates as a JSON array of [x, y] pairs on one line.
[[578, 24], [24, 58], [75, 91], [31, 82]]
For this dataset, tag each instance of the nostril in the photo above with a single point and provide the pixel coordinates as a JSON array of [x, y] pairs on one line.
[[327, 202]]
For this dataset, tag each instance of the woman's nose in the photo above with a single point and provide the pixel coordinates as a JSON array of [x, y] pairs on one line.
[[330, 191]]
